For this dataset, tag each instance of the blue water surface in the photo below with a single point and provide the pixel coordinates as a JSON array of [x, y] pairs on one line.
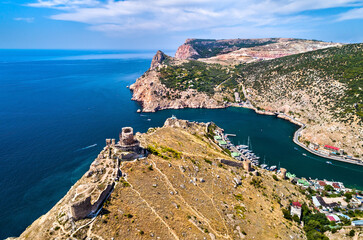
[[57, 107]]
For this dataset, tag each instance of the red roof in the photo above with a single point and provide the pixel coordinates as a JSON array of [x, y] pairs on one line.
[[296, 204], [331, 218], [336, 185], [331, 147], [321, 183]]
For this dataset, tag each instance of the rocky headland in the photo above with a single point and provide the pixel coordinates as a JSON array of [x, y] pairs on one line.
[[316, 83], [186, 187]]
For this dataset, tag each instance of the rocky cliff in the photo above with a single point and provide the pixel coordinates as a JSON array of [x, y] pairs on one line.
[[182, 190], [317, 83], [153, 95]]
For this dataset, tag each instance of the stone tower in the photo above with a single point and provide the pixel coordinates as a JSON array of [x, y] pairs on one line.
[[127, 141], [247, 165], [127, 136], [283, 173]]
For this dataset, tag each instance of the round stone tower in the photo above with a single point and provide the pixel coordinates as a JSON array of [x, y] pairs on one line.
[[127, 136]]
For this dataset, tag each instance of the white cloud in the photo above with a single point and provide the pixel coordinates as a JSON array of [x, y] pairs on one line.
[[188, 15], [356, 13], [28, 19]]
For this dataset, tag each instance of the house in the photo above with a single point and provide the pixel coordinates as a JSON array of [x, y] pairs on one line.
[[296, 209], [357, 223], [333, 217], [222, 143], [331, 148], [303, 183], [316, 202], [313, 146]]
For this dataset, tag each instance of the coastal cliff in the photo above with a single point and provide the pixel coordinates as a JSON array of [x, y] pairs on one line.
[[153, 95], [316, 83], [186, 188]]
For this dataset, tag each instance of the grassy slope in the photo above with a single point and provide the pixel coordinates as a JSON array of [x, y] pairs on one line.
[[210, 47]]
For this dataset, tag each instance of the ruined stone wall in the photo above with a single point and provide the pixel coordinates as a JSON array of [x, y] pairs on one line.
[[102, 197], [231, 163], [81, 209]]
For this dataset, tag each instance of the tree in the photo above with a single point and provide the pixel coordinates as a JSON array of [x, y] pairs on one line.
[[328, 188], [296, 218], [287, 214], [352, 233]]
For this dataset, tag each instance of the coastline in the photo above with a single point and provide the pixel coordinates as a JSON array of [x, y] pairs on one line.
[[297, 133], [284, 116]]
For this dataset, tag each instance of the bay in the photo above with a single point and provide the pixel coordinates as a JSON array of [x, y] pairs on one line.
[[57, 107]]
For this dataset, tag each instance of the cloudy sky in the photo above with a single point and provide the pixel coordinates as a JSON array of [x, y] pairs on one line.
[[165, 24]]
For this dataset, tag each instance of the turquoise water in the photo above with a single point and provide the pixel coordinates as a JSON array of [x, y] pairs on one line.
[[57, 107]]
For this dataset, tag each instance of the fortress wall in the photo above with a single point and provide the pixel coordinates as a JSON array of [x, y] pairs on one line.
[[81, 209], [102, 197]]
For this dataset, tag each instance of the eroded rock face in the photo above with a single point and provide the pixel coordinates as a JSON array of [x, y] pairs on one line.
[[186, 51], [151, 94], [158, 59]]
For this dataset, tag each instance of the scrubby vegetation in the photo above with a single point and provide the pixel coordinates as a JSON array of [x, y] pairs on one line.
[[195, 75], [210, 47], [344, 64], [163, 152]]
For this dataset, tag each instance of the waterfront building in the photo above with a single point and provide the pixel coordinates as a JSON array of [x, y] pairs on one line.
[[222, 143], [316, 202], [217, 138], [357, 223], [331, 148], [333, 217], [303, 183]]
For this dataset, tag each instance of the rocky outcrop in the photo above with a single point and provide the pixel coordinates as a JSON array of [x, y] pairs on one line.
[[157, 59], [153, 95], [186, 51]]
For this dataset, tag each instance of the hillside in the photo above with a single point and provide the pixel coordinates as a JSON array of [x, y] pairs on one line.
[[180, 191], [321, 88], [242, 50]]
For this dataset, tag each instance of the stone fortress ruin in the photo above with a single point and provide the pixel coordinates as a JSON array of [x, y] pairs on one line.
[[99, 180]]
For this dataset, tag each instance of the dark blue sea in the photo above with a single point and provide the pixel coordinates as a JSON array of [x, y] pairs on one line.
[[57, 107]]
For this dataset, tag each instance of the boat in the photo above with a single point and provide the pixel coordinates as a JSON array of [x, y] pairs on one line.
[[296, 148], [304, 154], [263, 166], [328, 162], [242, 146], [273, 168]]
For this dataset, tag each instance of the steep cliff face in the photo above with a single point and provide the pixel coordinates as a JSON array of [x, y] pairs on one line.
[[186, 51], [158, 60], [181, 191], [153, 95]]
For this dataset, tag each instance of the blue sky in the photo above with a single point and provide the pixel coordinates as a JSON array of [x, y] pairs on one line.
[[165, 24]]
